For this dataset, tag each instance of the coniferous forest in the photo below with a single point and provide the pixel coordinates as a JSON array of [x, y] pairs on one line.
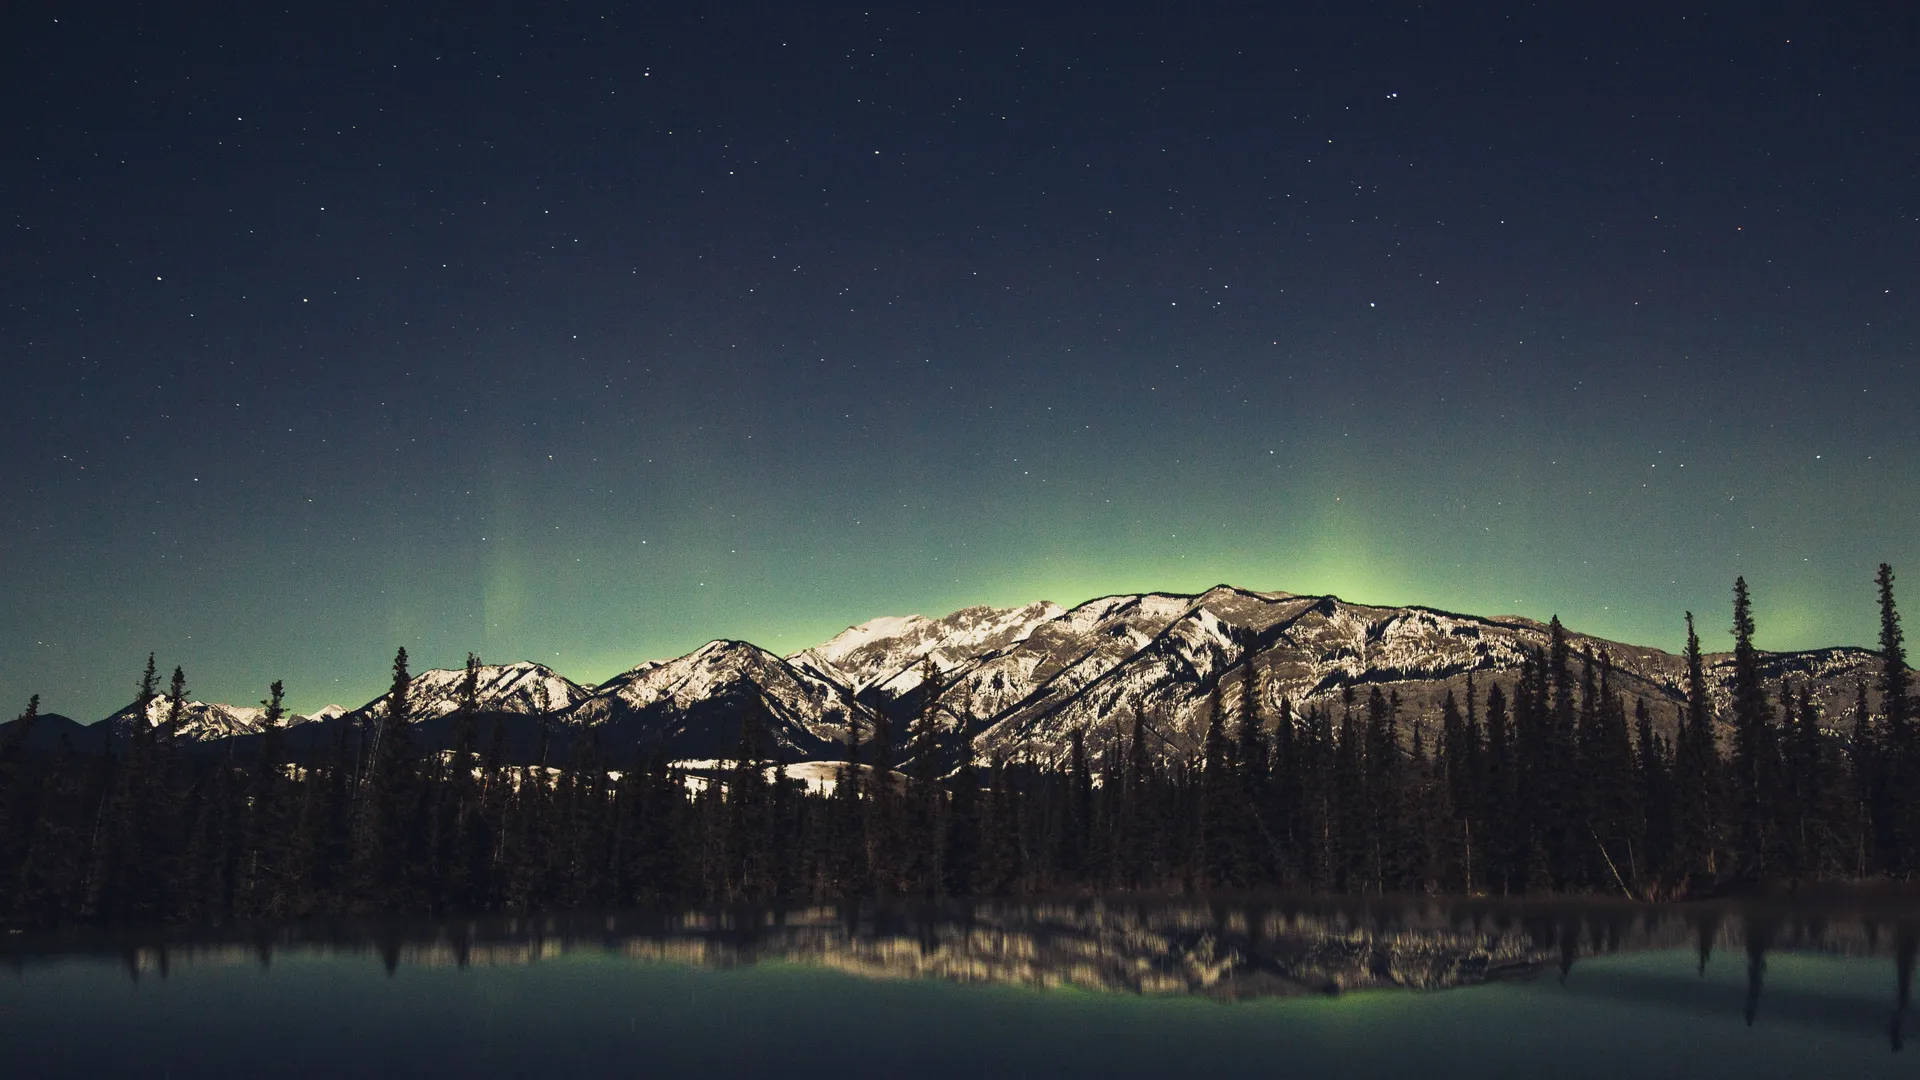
[[1548, 780]]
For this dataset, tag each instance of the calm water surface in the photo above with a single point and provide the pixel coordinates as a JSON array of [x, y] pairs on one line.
[[1078, 991]]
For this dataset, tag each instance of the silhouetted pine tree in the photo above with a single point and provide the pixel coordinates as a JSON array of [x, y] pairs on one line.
[[1076, 834], [1002, 862], [1617, 825], [1461, 776], [1504, 829], [1256, 848], [1753, 747], [1838, 831], [1102, 855], [385, 804], [1537, 775], [747, 873], [1351, 817], [882, 805], [852, 876], [962, 861], [470, 843], [1140, 823], [1290, 826], [925, 809], [1218, 794], [1863, 752], [115, 833], [48, 886], [1696, 774], [1314, 839], [1433, 861], [582, 801], [1793, 800], [1562, 843], [1656, 795], [19, 793], [268, 825], [1900, 757], [1557, 792]]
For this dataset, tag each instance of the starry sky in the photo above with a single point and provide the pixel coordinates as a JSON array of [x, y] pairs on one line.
[[587, 333]]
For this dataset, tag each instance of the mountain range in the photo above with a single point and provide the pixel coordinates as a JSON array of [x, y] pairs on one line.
[[1019, 681]]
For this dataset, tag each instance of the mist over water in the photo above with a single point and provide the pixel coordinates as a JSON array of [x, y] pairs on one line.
[[1082, 988]]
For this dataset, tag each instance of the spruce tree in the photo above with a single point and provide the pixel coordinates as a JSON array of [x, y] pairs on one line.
[[1901, 757], [382, 825], [1287, 814], [882, 806], [466, 843], [1538, 780], [1503, 827], [1869, 786], [18, 795], [748, 869], [1753, 747], [1561, 789], [1253, 832], [267, 824], [962, 862], [1076, 834], [1352, 820], [925, 810], [1001, 856], [1140, 818], [851, 875], [1656, 794], [1217, 811], [1696, 774], [1618, 822]]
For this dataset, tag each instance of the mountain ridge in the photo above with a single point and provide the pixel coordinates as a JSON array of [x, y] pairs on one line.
[[1021, 680]]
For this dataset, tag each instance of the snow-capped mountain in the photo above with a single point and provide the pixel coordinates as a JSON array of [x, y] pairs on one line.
[[691, 706], [201, 721], [886, 654], [521, 687], [1018, 681], [1159, 656], [1308, 651]]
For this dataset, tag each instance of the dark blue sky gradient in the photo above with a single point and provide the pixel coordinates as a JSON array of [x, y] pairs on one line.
[[587, 336]]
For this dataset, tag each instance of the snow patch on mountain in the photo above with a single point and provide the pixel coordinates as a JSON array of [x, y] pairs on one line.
[[1019, 681], [887, 653], [670, 700], [202, 720], [522, 687]]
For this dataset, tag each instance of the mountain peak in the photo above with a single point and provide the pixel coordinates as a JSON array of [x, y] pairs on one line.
[[519, 687], [885, 654], [1022, 680]]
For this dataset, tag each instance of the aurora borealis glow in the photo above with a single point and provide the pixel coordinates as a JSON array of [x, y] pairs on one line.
[[588, 337]]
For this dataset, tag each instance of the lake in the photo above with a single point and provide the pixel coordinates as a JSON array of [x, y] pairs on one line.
[[1081, 989]]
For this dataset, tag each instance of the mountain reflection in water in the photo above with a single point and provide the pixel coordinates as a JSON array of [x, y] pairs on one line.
[[1223, 951]]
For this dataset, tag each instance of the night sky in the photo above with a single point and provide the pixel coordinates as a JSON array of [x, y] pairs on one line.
[[587, 334]]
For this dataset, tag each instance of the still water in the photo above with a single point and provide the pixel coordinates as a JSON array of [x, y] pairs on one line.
[[1065, 990]]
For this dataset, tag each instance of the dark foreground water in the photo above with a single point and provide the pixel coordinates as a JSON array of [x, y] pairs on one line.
[[1080, 990]]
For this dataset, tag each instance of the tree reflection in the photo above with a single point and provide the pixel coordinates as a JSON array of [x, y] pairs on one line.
[[1903, 950], [1225, 951], [1759, 936]]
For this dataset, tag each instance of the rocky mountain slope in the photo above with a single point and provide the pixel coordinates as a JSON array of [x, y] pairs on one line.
[[532, 689], [1019, 681], [692, 705], [202, 721], [884, 656]]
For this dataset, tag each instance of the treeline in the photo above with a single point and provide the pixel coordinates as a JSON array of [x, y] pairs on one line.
[[1550, 782]]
